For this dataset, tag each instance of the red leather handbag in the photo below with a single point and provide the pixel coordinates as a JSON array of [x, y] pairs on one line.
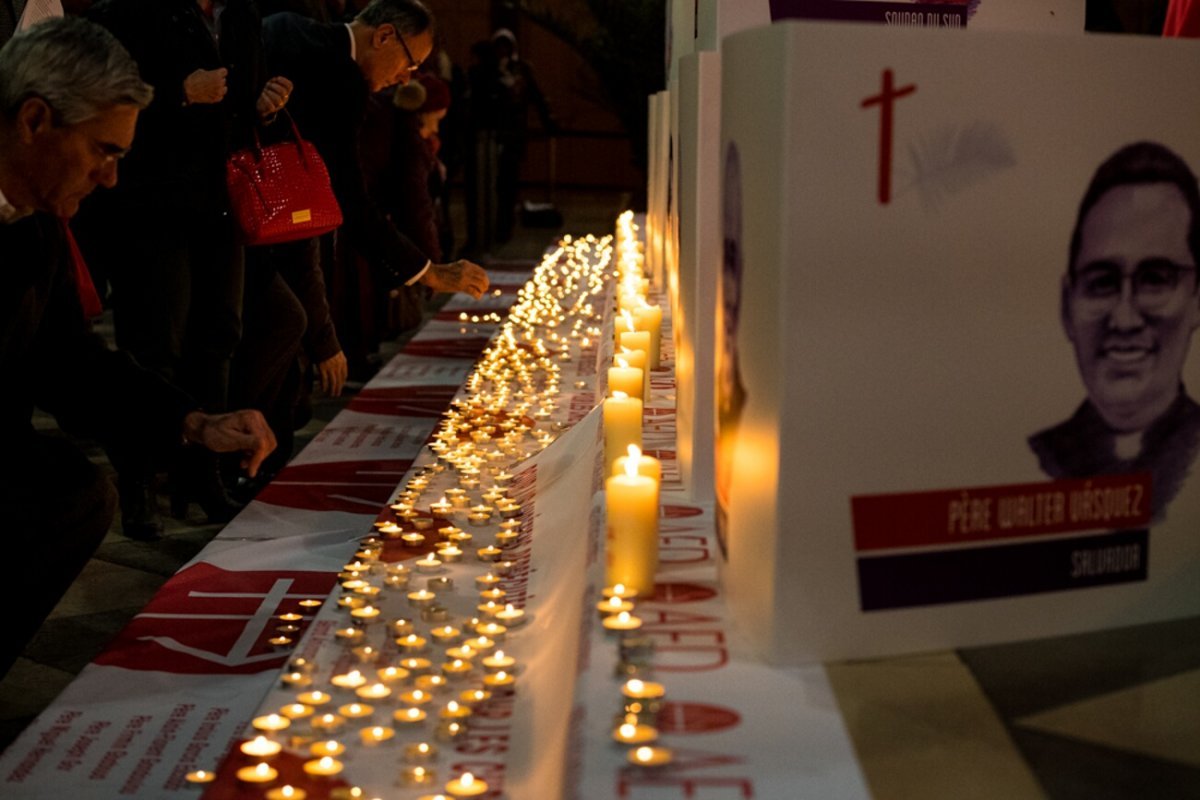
[[281, 192]]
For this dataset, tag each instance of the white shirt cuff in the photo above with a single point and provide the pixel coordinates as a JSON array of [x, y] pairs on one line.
[[420, 274]]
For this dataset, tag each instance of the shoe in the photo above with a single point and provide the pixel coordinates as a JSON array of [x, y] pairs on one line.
[[197, 479], [139, 508]]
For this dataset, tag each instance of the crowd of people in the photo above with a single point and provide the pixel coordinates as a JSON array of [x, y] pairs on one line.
[[218, 344]]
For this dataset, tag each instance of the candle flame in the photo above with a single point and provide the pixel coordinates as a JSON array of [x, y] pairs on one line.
[[635, 685], [620, 396], [628, 318], [631, 464], [622, 363], [627, 730], [644, 754], [467, 779], [263, 768], [452, 706]]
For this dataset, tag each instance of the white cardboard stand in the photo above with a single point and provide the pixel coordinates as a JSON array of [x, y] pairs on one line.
[[891, 357]]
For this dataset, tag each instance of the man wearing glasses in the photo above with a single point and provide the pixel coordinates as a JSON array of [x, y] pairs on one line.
[[1129, 306], [334, 68]]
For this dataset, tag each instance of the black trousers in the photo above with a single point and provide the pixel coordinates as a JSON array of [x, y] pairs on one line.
[[57, 507]]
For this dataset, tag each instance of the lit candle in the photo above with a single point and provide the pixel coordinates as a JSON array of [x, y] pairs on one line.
[[647, 756], [622, 622], [511, 616], [260, 773], [349, 680], [613, 605], [619, 590], [421, 598], [636, 358], [506, 538], [622, 426], [412, 644], [328, 747], [630, 732], [450, 554], [466, 785], [643, 464], [420, 753], [631, 501], [498, 680], [481, 643], [636, 689], [295, 680], [286, 792], [431, 683], [374, 691], [429, 564], [492, 630], [495, 595], [474, 697], [624, 378], [356, 710], [324, 767], [310, 603], [638, 340], [402, 627], [456, 668], [416, 666], [200, 776], [409, 716], [417, 775], [349, 635], [499, 660], [375, 735], [416, 697], [328, 722], [271, 723], [314, 698], [296, 711], [366, 614], [463, 653], [445, 634], [489, 553], [392, 674], [649, 318], [413, 539], [454, 710]]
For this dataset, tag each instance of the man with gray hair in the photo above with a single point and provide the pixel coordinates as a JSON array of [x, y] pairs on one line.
[[69, 102]]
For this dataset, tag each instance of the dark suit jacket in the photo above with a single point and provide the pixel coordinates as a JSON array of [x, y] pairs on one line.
[[50, 357], [1083, 446], [328, 104], [177, 164]]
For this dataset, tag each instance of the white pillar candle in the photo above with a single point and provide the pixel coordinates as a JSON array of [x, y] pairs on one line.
[[649, 318], [637, 358], [631, 501], [622, 426], [624, 378]]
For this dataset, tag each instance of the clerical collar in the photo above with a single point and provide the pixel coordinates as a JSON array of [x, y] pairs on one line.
[[9, 212]]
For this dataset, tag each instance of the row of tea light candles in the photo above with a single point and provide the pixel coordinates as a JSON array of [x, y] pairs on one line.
[[632, 492], [517, 375]]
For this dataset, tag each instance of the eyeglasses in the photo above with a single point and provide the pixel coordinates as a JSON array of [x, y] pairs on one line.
[[413, 64], [107, 152], [1153, 284]]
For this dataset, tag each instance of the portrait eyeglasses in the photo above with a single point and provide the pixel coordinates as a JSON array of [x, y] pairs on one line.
[[413, 64], [1153, 283]]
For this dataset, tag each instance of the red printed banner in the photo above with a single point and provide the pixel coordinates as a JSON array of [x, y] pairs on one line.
[[357, 487], [984, 513], [208, 620]]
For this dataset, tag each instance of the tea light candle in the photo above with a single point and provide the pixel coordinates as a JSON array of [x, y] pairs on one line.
[[488, 553], [619, 590], [279, 641], [272, 723], [420, 753], [448, 731], [450, 554], [431, 683], [622, 426], [510, 616], [506, 538], [623, 621], [463, 652], [375, 735], [366, 614], [499, 660], [286, 792], [487, 581], [422, 523], [351, 602], [314, 698], [396, 581], [417, 775], [474, 697], [328, 722], [504, 568], [636, 689], [481, 643], [295, 680], [449, 532], [328, 747], [435, 613], [349, 680], [356, 710], [413, 539], [647, 756], [260, 773], [310, 603], [365, 653], [374, 691], [412, 643], [416, 697], [445, 634], [488, 610], [499, 680], [634, 733], [613, 605], [402, 627], [466, 785], [441, 508], [200, 776], [290, 617], [421, 598], [494, 595], [429, 564], [417, 666], [349, 635], [454, 710], [479, 519], [390, 529], [502, 478], [324, 767], [456, 668], [409, 716], [296, 711], [492, 630], [631, 502], [389, 675]]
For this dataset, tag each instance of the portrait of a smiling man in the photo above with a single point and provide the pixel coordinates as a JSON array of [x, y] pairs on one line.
[[1129, 307]]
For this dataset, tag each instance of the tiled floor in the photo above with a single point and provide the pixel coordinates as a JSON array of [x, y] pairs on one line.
[[124, 574]]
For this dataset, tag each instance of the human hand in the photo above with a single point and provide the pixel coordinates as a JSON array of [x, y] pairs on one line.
[[274, 96], [457, 276], [331, 374], [244, 431], [205, 86]]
